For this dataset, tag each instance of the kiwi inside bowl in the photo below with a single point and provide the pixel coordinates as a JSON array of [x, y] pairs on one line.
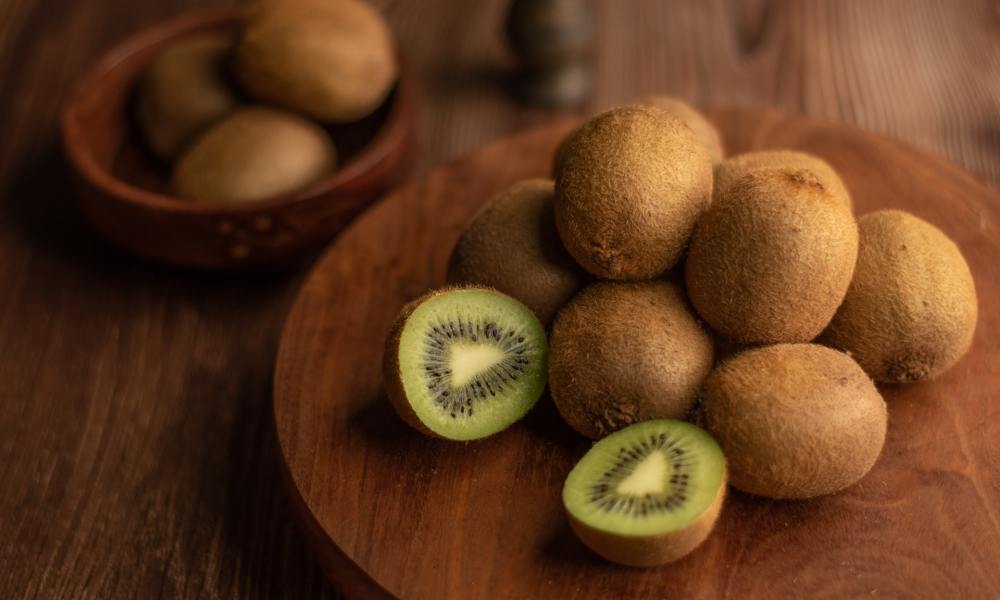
[[123, 187]]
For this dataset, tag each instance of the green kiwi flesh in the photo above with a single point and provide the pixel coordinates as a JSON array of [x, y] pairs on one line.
[[911, 310], [623, 352], [465, 363], [795, 420], [512, 246], [648, 494]]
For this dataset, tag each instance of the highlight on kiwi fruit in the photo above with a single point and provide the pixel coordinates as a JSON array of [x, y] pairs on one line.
[[910, 312], [703, 129], [732, 169], [333, 61], [254, 154], [630, 185], [648, 494], [795, 420], [624, 352], [512, 246], [183, 91], [464, 363], [771, 259]]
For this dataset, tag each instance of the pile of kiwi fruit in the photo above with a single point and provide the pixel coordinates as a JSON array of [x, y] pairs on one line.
[[246, 116], [708, 321]]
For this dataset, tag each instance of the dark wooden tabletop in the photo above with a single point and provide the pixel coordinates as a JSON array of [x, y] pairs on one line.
[[137, 453]]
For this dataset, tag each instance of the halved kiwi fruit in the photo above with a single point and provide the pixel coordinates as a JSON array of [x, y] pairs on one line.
[[465, 363], [648, 494]]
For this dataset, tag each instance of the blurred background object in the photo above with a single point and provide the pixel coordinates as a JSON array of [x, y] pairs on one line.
[[553, 41], [137, 438]]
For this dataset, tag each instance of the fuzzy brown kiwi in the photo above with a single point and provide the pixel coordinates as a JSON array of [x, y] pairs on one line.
[[624, 352], [183, 91], [771, 261], [648, 494], [703, 129], [794, 420], [512, 245], [332, 61], [911, 310], [254, 154], [630, 185], [733, 168]]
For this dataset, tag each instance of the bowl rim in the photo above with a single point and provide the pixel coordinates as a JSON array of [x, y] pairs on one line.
[[78, 150]]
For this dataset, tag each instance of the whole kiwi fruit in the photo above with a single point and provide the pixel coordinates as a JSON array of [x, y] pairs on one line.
[[334, 61], [910, 312], [772, 258], [794, 420], [183, 91], [630, 185], [733, 168], [254, 154], [512, 245], [703, 129], [624, 352]]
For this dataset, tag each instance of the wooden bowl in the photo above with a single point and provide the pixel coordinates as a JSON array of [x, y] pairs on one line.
[[122, 186]]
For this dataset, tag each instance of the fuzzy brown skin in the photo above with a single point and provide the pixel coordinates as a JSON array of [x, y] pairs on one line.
[[333, 61], [732, 169], [254, 154], [183, 91], [651, 550], [794, 420], [703, 129], [390, 367], [512, 246], [630, 185], [621, 353], [772, 259], [911, 310]]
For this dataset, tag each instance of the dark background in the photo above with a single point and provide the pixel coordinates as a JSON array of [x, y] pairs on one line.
[[137, 456]]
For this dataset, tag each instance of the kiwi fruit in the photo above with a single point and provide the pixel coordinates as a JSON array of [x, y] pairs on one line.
[[254, 154], [772, 259], [703, 129], [630, 185], [183, 91], [795, 420], [735, 167], [648, 494], [512, 246], [464, 363], [624, 352], [910, 312], [332, 61]]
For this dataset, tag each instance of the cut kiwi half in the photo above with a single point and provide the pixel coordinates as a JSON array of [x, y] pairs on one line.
[[648, 494], [465, 363]]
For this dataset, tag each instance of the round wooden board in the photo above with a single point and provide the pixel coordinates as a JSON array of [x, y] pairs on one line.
[[390, 512]]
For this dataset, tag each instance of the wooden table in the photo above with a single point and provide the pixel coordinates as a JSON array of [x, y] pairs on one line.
[[137, 453]]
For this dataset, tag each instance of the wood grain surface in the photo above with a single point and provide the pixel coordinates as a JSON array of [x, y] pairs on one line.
[[136, 450], [923, 522]]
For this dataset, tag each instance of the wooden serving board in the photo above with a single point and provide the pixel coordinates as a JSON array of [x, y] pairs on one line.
[[390, 512]]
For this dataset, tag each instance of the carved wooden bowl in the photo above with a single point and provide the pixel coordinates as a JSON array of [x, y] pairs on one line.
[[122, 187]]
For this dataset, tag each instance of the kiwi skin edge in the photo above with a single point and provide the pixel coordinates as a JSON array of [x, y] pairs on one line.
[[650, 551], [390, 365]]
